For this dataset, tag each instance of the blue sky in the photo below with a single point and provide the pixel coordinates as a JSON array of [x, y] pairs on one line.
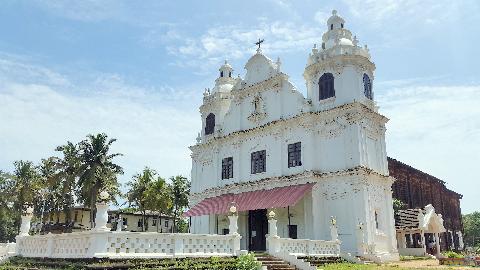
[[137, 69]]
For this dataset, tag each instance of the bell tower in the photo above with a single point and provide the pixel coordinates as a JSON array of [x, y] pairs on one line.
[[340, 71], [216, 102]]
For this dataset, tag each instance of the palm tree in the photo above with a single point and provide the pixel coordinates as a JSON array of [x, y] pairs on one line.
[[136, 194], [97, 170], [51, 192], [68, 173], [27, 183]]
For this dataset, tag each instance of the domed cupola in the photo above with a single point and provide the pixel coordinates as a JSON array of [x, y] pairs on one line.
[[336, 34], [225, 81], [340, 71]]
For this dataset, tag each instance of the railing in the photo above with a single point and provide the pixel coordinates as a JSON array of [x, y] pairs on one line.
[[6, 250], [306, 247], [91, 244]]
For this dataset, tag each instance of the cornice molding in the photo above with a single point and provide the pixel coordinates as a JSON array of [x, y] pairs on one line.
[[337, 64], [289, 180], [328, 123]]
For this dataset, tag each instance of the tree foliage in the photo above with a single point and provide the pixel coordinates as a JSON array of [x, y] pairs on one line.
[[180, 192], [471, 226], [97, 171], [158, 198], [7, 214], [136, 195]]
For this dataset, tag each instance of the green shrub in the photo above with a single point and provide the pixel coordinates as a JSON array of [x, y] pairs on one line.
[[247, 262], [452, 254]]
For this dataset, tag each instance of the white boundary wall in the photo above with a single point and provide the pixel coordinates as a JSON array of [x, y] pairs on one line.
[[109, 244], [6, 250]]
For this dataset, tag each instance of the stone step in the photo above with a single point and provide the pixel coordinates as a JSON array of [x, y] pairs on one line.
[[273, 263]]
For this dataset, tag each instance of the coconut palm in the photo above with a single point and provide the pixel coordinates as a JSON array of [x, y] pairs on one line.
[[68, 173], [136, 194], [26, 185], [97, 170]]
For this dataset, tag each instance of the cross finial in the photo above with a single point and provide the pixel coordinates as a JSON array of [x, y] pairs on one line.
[[259, 42]]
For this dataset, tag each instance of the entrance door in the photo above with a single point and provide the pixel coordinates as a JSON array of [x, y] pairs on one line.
[[257, 228]]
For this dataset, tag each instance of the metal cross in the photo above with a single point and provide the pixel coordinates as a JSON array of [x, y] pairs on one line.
[[259, 42]]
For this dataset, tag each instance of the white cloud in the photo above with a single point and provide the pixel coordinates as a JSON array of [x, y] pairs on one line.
[[436, 129], [153, 127], [237, 41]]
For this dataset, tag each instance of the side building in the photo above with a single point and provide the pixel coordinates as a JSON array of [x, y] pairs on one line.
[[80, 221], [417, 189]]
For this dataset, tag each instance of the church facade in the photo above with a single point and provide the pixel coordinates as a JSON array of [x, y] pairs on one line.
[[265, 147]]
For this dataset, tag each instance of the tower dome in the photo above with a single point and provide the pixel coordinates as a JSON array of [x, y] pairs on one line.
[[336, 33], [224, 82]]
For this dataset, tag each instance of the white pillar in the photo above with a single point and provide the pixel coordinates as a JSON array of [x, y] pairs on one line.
[[333, 229], [101, 217], [120, 223], [460, 240], [26, 219], [233, 224], [360, 240], [437, 244], [422, 240], [272, 239], [410, 239], [233, 229]]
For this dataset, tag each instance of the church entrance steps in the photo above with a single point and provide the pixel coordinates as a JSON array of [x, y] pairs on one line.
[[320, 261], [273, 263]]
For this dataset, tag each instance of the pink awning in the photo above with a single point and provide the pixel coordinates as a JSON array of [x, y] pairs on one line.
[[259, 199]]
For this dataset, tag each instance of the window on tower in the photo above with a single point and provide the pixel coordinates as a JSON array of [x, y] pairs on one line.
[[258, 160], [210, 124], [230, 74], [295, 154], [221, 73], [326, 86], [367, 86], [227, 168]]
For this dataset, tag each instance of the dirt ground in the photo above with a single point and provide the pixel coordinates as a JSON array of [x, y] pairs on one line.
[[427, 264]]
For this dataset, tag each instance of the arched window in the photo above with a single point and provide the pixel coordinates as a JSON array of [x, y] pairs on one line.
[[210, 124], [221, 73], [326, 86], [230, 74], [367, 86], [331, 26]]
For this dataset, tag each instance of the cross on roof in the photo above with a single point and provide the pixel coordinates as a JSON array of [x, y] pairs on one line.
[[259, 42]]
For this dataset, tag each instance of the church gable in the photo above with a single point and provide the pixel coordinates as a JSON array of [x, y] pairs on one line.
[[260, 68], [268, 100]]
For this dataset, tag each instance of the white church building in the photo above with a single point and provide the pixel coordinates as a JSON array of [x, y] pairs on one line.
[[265, 147]]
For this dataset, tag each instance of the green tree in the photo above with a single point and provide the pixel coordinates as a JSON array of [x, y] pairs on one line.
[[50, 194], [97, 171], [8, 227], [471, 227], [158, 198], [398, 205], [68, 171], [136, 194], [27, 183], [180, 192]]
